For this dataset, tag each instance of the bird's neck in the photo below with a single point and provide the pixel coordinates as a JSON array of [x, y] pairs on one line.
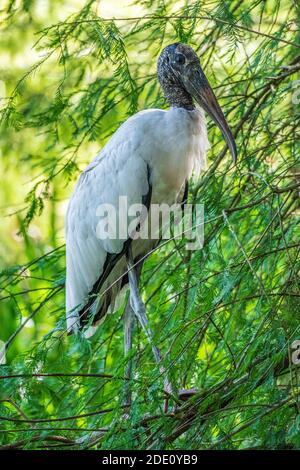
[[178, 97]]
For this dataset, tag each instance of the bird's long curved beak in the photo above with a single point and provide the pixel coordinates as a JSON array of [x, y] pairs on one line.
[[197, 85]]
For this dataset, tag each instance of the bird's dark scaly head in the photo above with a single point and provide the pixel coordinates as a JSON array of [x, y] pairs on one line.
[[183, 80]]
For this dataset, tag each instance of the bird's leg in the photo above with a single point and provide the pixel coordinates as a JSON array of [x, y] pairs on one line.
[[128, 330], [140, 311], [139, 307]]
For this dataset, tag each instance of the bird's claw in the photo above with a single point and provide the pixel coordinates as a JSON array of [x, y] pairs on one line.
[[186, 393]]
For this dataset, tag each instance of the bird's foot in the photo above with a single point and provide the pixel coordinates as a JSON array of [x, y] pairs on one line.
[[185, 394], [182, 395]]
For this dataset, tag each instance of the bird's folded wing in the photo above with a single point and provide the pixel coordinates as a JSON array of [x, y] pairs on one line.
[[119, 170]]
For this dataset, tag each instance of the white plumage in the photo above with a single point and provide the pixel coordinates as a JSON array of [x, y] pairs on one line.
[[172, 144], [148, 160]]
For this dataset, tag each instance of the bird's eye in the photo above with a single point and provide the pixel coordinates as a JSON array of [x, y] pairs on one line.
[[180, 59]]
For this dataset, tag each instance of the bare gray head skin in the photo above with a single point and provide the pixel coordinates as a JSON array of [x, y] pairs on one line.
[[183, 81]]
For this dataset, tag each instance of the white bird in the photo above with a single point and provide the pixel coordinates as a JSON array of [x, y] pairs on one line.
[[149, 159]]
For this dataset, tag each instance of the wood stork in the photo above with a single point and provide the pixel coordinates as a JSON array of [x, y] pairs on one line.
[[149, 159]]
